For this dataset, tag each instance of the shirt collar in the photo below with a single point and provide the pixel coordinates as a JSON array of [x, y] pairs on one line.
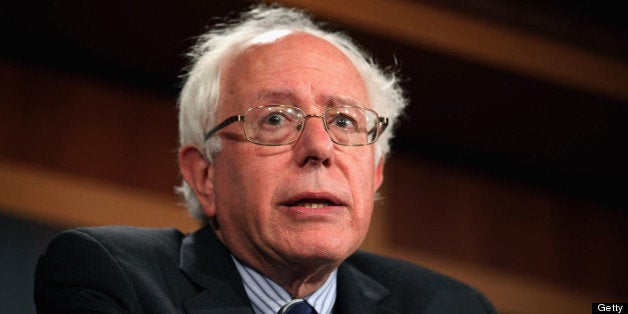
[[268, 297]]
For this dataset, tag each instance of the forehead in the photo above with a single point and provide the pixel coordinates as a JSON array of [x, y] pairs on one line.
[[297, 67]]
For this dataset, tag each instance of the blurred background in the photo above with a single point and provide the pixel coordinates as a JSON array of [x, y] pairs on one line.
[[508, 172]]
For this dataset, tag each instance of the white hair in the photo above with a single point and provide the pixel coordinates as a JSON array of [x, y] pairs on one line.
[[200, 93]]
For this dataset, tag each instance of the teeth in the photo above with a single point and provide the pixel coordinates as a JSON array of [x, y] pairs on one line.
[[312, 205]]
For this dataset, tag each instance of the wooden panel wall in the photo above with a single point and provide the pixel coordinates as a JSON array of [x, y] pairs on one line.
[[503, 238], [88, 127], [507, 226]]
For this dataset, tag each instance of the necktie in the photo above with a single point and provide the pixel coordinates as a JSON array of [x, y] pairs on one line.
[[297, 306]]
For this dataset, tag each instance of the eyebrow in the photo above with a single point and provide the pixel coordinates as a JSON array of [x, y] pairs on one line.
[[333, 101], [291, 96], [273, 94]]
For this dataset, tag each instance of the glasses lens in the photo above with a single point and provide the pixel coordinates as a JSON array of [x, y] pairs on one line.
[[272, 125], [352, 125]]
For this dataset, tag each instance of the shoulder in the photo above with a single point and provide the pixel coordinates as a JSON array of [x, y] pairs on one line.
[[418, 286], [398, 272], [126, 236], [122, 243], [108, 269]]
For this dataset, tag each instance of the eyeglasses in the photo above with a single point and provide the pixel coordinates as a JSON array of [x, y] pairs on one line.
[[277, 125]]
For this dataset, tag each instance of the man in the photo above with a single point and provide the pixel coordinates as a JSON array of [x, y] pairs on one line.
[[282, 129]]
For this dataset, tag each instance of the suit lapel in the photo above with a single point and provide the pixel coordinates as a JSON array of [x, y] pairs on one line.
[[206, 262], [359, 293]]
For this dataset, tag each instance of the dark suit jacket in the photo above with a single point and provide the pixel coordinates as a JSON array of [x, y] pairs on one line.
[[133, 270]]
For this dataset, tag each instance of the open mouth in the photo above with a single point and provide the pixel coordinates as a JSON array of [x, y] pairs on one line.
[[312, 203]]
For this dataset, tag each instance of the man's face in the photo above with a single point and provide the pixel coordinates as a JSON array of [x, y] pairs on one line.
[[308, 202]]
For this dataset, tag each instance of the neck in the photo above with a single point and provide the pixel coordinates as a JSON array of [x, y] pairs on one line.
[[299, 278], [300, 282]]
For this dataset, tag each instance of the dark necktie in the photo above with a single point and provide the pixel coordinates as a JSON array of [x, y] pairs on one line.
[[297, 306]]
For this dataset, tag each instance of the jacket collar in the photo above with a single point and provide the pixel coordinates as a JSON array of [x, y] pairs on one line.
[[359, 293], [207, 263]]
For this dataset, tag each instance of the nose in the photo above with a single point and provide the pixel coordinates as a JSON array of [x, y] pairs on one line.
[[314, 146]]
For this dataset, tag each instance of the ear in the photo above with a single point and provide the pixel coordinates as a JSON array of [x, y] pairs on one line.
[[199, 174], [379, 174]]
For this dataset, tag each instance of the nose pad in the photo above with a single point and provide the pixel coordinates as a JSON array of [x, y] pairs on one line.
[[301, 125]]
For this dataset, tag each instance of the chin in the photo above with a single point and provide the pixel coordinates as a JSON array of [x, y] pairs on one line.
[[326, 250]]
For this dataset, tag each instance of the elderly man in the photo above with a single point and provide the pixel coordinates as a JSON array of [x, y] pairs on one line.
[[283, 130]]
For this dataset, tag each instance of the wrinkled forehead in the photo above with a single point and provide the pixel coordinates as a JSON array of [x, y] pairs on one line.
[[283, 42], [276, 57]]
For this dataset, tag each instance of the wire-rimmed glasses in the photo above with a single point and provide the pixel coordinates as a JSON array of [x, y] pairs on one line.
[[276, 125]]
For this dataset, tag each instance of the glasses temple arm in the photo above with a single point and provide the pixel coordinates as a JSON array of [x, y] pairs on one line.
[[222, 125], [381, 126], [384, 124]]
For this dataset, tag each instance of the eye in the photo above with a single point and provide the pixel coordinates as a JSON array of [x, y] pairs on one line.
[[343, 121], [274, 119]]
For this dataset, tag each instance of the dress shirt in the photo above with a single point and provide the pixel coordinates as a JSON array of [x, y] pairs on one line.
[[268, 297]]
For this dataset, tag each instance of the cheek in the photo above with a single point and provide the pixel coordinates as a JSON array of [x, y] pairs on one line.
[[248, 179], [360, 172]]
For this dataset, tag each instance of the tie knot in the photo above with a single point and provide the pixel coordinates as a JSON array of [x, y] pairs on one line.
[[297, 306]]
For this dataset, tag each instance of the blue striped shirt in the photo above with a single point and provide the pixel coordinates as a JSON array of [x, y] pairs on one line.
[[268, 297]]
